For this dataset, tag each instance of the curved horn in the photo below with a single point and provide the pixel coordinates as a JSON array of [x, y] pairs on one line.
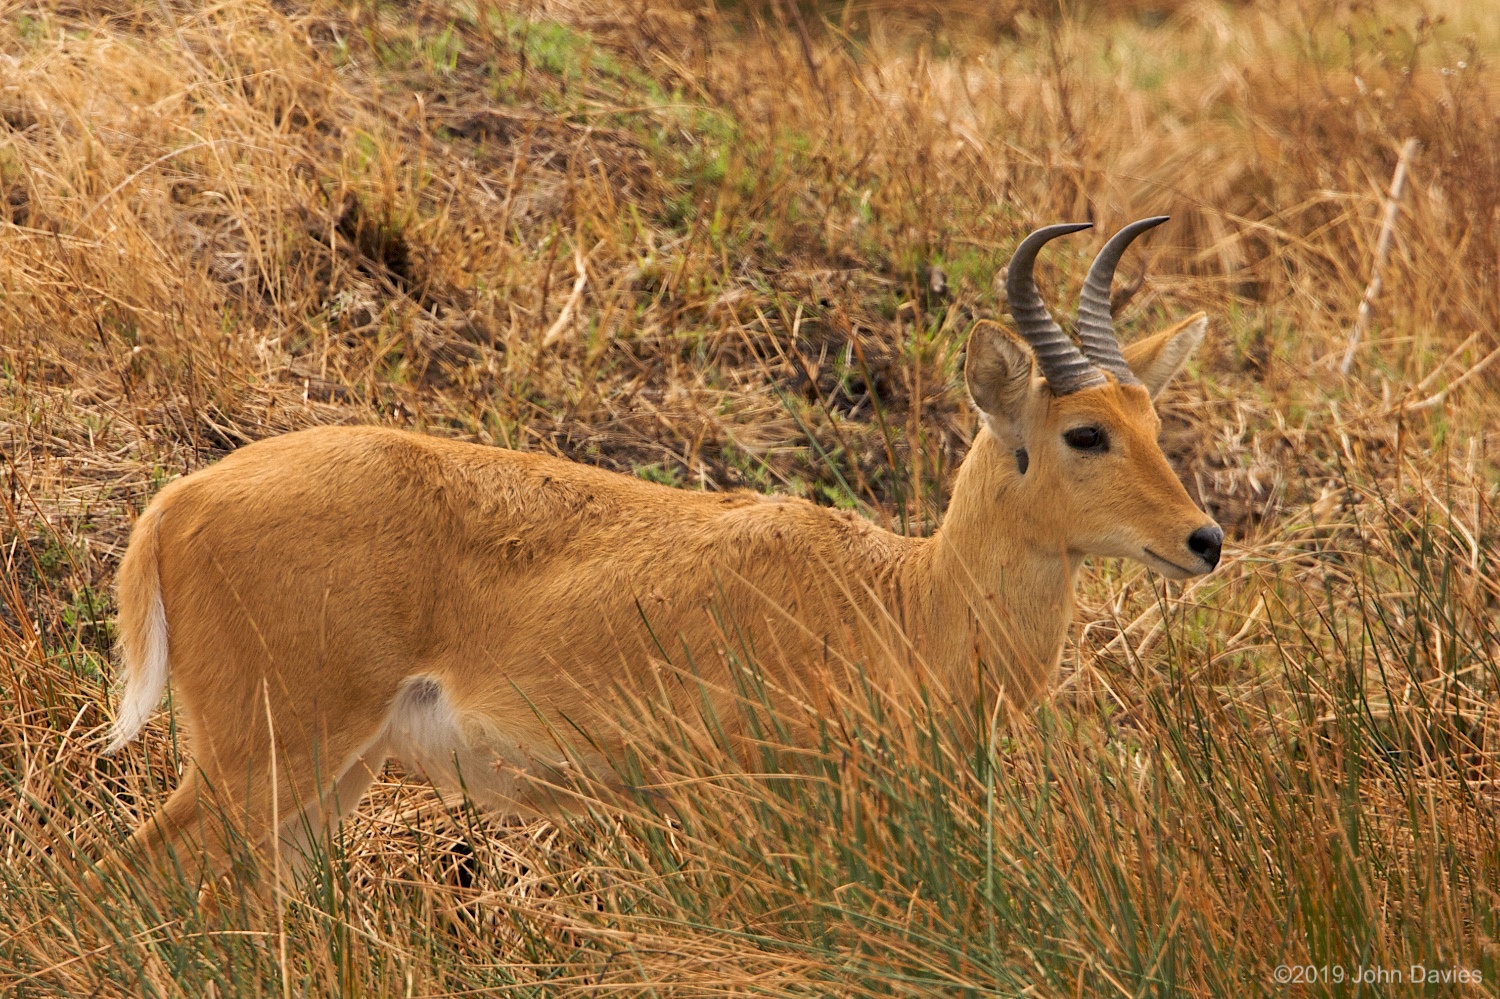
[[1062, 364], [1096, 327]]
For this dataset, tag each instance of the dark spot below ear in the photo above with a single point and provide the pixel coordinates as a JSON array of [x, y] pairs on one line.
[[1022, 460]]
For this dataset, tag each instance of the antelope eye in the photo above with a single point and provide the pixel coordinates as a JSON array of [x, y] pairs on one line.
[[1086, 439]]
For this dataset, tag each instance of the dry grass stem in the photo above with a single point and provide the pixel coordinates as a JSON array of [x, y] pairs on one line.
[[1382, 250]]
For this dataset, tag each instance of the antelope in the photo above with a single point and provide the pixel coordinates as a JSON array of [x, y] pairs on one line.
[[331, 598]]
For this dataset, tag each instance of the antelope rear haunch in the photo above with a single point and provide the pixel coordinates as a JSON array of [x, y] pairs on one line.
[[330, 598]]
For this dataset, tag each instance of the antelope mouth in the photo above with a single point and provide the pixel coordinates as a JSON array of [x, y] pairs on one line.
[[1177, 570]]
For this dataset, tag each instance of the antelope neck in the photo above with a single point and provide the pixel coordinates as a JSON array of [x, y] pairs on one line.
[[991, 580]]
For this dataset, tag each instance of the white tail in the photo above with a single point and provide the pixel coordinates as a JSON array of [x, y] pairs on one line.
[[143, 633]]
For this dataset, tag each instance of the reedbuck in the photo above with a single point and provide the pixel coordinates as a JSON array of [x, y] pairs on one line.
[[330, 598]]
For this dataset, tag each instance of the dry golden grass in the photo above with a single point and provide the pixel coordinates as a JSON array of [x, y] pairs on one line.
[[741, 248]]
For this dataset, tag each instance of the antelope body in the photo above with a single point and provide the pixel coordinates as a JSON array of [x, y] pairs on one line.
[[329, 598]]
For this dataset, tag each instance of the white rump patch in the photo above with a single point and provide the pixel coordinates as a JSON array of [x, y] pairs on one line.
[[425, 731], [459, 750], [423, 727]]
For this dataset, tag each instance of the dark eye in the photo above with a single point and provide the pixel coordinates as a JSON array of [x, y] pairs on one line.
[[1086, 439]]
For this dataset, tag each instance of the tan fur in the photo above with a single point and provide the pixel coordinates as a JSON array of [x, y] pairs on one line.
[[353, 593]]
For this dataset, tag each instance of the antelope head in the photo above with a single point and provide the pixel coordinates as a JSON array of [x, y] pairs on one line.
[[1079, 422]]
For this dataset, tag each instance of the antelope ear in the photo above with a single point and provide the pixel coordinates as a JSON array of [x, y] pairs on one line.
[[997, 372], [1158, 357]]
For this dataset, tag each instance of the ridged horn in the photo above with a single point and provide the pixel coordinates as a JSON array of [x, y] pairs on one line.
[[1096, 325], [1062, 363]]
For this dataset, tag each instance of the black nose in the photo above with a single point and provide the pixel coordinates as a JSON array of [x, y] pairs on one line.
[[1206, 543]]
